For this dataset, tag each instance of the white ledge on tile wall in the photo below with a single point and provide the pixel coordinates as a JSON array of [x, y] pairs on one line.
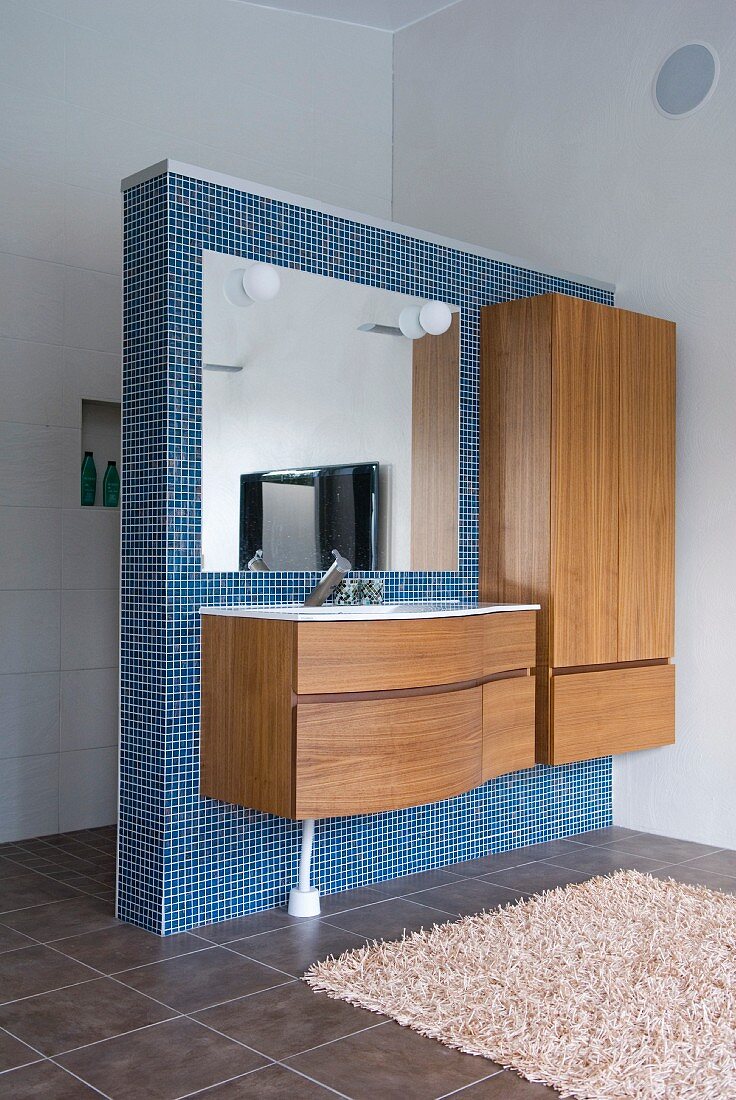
[[346, 612], [191, 171]]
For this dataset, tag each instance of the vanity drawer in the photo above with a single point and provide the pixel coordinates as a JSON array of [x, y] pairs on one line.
[[369, 755], [409, 653], [612, 711], [508, 726]]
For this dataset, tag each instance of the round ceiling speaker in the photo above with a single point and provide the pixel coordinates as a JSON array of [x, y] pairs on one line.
[[686, 79]]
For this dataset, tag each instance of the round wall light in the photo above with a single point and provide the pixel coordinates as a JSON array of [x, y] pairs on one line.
[[686, 79], [255, 283], [433, 318]]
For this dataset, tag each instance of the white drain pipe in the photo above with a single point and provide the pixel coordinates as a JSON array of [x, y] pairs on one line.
[[304, 900]]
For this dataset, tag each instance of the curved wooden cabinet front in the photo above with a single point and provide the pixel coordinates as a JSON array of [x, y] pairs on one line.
[[369, 755], [336, 718]]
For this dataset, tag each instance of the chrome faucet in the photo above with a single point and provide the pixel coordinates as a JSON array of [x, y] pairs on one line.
[[329, 582], [257, 564]]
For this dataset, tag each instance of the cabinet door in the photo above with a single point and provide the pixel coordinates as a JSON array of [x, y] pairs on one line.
[[366, 756], [584, 505], [616, 710], [646, 487]]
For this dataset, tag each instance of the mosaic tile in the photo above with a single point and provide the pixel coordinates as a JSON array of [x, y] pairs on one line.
[[184, 860]]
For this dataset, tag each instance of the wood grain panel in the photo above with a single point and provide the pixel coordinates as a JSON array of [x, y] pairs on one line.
[[247, 723], [435, 449], [601, 713], [514, 484], [381, 655], [584, 542], [646, 521], [509, 641], [508, 726], [375, 755]]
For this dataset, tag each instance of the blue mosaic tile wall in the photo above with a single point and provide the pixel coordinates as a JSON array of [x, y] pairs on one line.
[[186, 860]]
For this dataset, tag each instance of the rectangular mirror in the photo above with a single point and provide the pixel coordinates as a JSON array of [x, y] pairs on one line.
[[323, 425]]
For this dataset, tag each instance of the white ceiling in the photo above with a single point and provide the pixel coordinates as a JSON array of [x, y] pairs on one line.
[[385, 15]]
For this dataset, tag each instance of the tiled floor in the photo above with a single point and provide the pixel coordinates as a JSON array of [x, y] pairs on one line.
[[90, 1006]]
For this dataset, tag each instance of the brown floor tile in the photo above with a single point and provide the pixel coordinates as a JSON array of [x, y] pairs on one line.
[[271, 1083], [240, 927], [608, 835], [294, 949], [124, 946], [389, 919], [348, 899], [44, 1081], [409, 884], [31, 889], [721, 863], [393, 1063], [38, 970], [63, 918], [192, 982], [10, 940], [13, 1053], [467, 896], [507, 1086], [533, 878], [29, 861], [285, 1021], [80, 1014], [11, 869], [666, 848], [83, 883], [161, 1062], [59, 862], [603, 861], [686, 872], [486, 865]]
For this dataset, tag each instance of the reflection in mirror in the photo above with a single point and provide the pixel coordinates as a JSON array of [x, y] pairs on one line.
[[323, 425]]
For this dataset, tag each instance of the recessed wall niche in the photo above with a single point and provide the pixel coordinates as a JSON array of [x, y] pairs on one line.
[[101, 434]]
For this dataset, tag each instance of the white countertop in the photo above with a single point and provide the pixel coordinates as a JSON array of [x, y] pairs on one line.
[[363, 612]]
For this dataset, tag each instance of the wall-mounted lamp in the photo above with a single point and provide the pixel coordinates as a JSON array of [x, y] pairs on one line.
[[433, 318], [255, 283]]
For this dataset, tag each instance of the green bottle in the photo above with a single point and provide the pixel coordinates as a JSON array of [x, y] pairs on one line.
[[89, 479], [111, 486]]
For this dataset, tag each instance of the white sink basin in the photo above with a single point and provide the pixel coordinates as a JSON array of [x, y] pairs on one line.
[[336, 612]]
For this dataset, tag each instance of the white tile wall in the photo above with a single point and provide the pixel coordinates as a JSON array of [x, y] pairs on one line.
[[31, 381], [29, 631], [29, 797], [89, 628], [88, 792], [89, 709], [31, 298], [91, 544], [30, 465], [29, 714], [91, 92], [30, 548]]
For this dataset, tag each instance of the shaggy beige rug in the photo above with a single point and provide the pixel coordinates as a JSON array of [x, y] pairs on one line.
[[619, 987]]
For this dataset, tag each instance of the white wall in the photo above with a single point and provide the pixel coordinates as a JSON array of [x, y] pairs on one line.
[[91, 91], [529, 127]]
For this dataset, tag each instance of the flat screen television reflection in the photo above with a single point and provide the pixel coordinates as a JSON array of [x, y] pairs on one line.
[[297, 517]]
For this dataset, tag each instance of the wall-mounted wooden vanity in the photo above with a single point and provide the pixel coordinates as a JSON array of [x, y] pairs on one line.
[[310, 713]]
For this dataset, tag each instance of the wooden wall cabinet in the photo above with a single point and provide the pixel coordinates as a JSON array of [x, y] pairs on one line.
[[577, 460], [321, 719]]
